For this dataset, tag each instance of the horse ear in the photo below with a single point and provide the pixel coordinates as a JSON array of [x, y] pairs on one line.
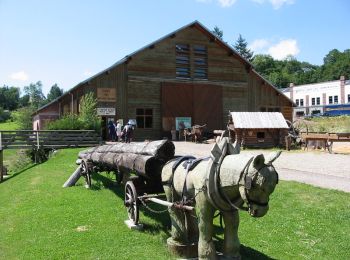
[[272, 157], [258, 161]]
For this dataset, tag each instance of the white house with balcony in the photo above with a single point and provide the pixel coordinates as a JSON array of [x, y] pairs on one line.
[[312, 99]]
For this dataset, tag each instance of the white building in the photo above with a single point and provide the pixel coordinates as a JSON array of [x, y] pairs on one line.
[[315, 98]]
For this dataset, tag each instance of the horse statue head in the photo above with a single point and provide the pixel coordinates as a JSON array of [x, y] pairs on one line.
[[257, 182]]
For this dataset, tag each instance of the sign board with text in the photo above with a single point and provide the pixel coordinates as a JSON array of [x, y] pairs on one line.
[[106, 94], [106, 111]]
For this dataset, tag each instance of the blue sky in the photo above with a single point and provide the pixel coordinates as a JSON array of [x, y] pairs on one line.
[[67, 41]]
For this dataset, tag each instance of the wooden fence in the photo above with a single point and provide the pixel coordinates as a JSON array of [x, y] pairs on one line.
[[326, 139], [55, 139]]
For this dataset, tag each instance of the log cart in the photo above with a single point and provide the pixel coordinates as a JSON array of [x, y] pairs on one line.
[[136, 165]]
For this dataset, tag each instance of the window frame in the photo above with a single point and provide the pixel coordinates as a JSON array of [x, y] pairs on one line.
[[335, 99], [313, 101], [146, 117], [330, 100], [183, 60]]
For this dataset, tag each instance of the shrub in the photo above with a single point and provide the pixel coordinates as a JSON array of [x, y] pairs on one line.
[[86, 120], [67, 122], [23, 117], [4, 115]]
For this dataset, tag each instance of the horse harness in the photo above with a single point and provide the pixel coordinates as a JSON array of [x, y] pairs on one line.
[[189, 163]]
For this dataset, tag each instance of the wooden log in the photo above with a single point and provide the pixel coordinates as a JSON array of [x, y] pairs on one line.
[[72, 180], [163, 149]]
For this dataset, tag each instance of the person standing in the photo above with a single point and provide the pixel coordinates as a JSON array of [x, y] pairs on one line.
[[128, 132], [111, 130], [119, 131]]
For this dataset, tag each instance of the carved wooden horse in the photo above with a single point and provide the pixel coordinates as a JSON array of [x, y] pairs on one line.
[[228, 182]]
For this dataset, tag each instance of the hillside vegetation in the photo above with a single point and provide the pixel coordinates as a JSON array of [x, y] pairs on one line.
[[338, 124]]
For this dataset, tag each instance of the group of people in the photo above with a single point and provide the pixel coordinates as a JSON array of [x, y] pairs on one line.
[[118, 133]]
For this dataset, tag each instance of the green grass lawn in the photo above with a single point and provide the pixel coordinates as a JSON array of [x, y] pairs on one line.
[[8, 126], [42, 220]]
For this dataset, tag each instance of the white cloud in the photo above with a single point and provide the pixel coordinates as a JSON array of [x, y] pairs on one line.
[[222, 3], [259, 45], [284, 48], [20, 75], [276, 4], [87, 73], [226, 3], [278, 50], [279, 3]]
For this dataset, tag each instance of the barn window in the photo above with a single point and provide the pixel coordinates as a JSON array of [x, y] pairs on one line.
[[260, 135], [200, 62], [297, 102], [144, 117], [183, 61]]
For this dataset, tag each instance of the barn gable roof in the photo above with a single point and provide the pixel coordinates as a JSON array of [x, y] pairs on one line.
[[196, 25], [258, 120]]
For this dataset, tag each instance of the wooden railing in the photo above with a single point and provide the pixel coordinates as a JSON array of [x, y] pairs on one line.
[[326, 138], [56, 139]]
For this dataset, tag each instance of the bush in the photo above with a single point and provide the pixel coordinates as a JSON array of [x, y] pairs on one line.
[[4, 115], [86, 120], [23, 117], [67, 122]]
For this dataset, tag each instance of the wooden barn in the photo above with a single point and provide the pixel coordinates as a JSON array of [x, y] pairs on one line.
[[187, 77], [258, 129]]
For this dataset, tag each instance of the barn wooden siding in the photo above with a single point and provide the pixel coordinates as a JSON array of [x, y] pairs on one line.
[[140, 79]]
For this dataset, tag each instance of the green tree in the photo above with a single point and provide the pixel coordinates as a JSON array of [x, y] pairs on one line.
[[23, 117], [336, 64], [54, 93], [218, 32], [9, 97], [35, 93], [88, 112], [241, 46]]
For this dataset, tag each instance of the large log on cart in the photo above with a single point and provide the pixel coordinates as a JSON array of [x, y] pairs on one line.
[[144, 160]]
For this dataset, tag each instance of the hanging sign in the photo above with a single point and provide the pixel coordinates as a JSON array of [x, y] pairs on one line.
[[106, 94], [106, 111]]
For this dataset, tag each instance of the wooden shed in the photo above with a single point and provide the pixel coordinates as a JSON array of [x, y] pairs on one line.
[[258, 129], [187, 77]]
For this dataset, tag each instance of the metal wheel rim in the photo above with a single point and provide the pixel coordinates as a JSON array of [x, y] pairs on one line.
[[130, 202]]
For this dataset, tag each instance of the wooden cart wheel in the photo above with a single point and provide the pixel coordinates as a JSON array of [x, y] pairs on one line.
[[130, 202], [86, 173]]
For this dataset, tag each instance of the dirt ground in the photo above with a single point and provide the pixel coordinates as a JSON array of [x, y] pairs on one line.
[[315, 167]]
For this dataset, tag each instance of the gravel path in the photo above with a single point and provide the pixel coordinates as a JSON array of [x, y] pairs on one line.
[[317, 168]]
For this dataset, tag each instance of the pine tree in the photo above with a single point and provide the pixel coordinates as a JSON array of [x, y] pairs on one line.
[[218, 32], [241, 47]]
